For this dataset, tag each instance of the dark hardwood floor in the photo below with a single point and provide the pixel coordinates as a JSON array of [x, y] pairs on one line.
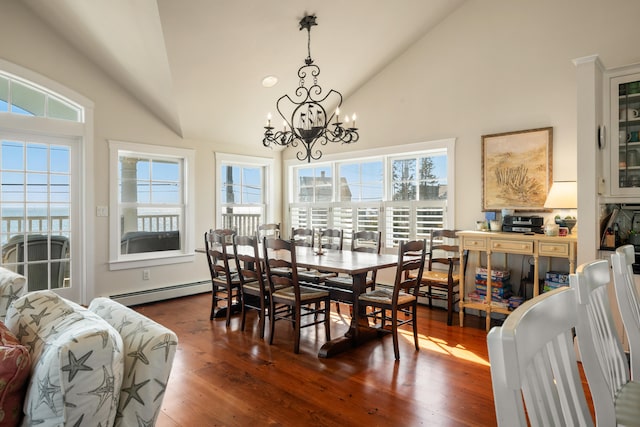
[[225, 377]]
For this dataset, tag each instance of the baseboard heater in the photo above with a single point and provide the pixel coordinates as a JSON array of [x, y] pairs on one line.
[[159, 294]]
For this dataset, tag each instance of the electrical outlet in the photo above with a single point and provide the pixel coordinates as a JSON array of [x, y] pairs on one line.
[[146, 274]]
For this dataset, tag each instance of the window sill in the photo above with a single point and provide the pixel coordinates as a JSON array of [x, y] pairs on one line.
[[150, 262]]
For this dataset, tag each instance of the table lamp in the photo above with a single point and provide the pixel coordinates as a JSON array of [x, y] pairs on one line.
[[563, 195]]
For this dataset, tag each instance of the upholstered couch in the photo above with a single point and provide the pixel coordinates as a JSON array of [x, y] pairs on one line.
[[102, 366]]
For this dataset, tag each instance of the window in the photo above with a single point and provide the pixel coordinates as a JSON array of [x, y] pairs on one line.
[[154, 216], [242, 192], [45, 133], [36, 213], [404, 192]]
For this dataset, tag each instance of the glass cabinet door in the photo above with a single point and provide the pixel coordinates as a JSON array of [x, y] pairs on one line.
[[625, 137]]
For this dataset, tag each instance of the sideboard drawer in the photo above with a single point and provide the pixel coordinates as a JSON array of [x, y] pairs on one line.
[[512, 246], [554, 249], [474, 244]]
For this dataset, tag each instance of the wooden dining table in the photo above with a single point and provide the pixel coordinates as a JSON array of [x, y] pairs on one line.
[[357, 265]]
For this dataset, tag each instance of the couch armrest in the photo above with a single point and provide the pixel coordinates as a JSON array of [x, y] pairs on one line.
[[12, 286], [149, 349]]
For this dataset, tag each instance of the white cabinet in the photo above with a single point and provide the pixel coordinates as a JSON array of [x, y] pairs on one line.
[[624, 96]]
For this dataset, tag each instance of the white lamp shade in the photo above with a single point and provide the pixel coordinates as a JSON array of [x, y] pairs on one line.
[[563, 195]]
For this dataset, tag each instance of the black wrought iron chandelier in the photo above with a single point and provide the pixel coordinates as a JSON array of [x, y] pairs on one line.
[[306, 121]]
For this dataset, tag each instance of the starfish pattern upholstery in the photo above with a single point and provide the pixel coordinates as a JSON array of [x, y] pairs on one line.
[[77, 361], [12, 286], [149, 349]]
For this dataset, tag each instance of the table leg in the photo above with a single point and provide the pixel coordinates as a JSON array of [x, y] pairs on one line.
[[359, 329]]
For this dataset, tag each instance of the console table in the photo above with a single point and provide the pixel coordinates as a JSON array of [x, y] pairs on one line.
[[489, 242]]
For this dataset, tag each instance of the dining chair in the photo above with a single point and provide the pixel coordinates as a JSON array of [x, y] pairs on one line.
[[441, 276], [628, 302], [361, 241], [288, 299], [252, 286], [331, 238], [225, 284], [401, 298], [616, 399], [534, 364], [303, 236], [268, 230]]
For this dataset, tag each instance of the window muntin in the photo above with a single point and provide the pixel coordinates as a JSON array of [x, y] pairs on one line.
[[24, 98], [361, 181], [35, 195], [242, 196], [402, 195], [151, 203]]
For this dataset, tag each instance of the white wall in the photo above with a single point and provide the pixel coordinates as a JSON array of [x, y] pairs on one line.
[[494, 66], [30, 44]]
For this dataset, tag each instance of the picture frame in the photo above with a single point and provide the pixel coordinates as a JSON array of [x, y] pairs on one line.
[[517, 169]]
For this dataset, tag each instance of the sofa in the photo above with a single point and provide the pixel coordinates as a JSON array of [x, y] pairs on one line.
[[105, 365]]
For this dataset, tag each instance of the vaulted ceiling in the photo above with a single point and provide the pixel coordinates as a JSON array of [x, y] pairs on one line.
[[198, 64]]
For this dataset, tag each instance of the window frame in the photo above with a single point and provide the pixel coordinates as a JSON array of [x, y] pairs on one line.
[[118, 261], [267, 165], [388, 154], [82, 132]]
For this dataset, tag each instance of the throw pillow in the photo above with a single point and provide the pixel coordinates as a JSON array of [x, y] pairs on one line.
[[15, 366], [12, 286]]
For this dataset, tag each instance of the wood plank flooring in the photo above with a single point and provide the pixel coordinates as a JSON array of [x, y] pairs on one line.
[[225, 377]]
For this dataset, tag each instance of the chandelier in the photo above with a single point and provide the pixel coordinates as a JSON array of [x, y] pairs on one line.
[[306, 122]]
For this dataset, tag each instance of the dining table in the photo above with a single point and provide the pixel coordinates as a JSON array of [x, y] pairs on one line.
[[357, 265]]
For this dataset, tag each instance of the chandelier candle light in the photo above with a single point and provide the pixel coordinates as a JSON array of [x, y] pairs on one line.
[[305, 119]]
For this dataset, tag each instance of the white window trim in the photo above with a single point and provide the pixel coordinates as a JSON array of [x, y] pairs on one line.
[[240, 160], [388, 152], [155, 258], [85, 132]]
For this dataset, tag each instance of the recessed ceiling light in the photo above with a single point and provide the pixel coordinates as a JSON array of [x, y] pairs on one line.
[[269, 81]]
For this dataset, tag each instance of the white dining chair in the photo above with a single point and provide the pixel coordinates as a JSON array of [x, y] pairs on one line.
[[616, 399], [628, 302], [534, 365]]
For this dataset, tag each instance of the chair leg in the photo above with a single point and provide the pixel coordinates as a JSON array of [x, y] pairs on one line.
[[213, 302], [229, 305], [244, 317], [449, 306], [414, 321], [394, 333], [327, 319], [296, 339], [337, 307], [272, 320], [261, 321]]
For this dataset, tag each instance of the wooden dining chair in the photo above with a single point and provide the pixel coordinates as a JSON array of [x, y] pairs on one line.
[[248, 266], [268, 230], [441, 276], [628, 302], [401, 298], [361, 241], [303, 236], [331, 238], [534, 369], [616, 399], [288, 299], [225, 283]]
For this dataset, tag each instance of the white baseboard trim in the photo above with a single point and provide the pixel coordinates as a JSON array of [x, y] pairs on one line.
[[159, 294]]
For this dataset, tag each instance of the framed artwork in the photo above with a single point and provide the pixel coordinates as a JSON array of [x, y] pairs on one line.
[[517, 169]]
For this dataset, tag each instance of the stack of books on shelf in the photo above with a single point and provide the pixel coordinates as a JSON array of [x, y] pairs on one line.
[[555, 279], [500, 287]]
